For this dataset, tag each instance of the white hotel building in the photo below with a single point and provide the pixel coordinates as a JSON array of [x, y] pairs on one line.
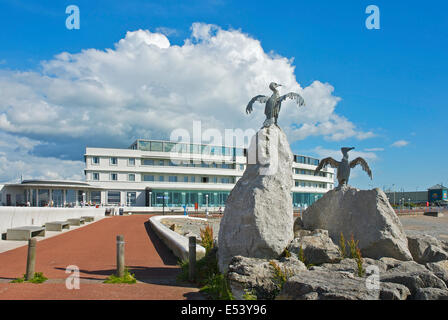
[[149, 174]]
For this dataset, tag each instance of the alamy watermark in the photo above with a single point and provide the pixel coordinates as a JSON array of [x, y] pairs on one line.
[[72, 281], [373, 20], [215, 143], [73, 21]]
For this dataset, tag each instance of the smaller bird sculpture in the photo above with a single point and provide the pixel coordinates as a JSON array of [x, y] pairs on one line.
[[344, 166], [273, 103]]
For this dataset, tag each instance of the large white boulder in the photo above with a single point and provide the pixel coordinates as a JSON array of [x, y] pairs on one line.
[[365, 214], [258, 218]]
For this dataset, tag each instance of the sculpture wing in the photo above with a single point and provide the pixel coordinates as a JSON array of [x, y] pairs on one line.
[[294, 96], [363, 164], [324, 162], [259, 98]]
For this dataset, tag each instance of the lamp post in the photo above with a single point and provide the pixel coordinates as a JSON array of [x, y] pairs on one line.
[[206, 204], [409, 201], [150, 198], [83, 199]]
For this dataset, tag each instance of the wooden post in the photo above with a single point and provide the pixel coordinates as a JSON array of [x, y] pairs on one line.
[[120, 256], [192, 258], [31, 259]]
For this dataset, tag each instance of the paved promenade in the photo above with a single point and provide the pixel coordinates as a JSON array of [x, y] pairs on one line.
[[93, 249]]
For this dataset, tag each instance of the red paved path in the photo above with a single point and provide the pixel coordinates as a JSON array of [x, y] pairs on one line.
[[93, 249]]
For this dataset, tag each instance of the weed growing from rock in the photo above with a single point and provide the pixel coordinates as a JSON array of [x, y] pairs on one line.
[[342, 247], [280, 276], [356, 254], [207, 240]]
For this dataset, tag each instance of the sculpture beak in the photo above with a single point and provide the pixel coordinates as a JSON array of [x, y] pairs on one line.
[[351, 148]]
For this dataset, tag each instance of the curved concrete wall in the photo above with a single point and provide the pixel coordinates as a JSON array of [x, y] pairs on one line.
[[177, 243], [11, 217]]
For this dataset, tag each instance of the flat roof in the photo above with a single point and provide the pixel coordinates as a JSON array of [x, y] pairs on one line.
[[54, 184]]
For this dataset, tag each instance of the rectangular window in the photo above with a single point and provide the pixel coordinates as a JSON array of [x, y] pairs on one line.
[[113, 177], [161, 162], [172, 178], [131, 177], [144, 145], [95, 176], [95, 197], [113, 197], [131, 162], [148, 162], [113, 161], [168, 146], [161, 178], [156, 146], [186, 179], [131, 198], [95, 160], [147, 177], [192, 179]]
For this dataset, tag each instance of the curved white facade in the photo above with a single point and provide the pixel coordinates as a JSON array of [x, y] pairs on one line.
[[149, 174]]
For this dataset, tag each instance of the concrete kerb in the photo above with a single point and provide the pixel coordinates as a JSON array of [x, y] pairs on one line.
[[177, 243]]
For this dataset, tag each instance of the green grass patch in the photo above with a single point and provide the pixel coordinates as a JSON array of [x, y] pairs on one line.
[[127, 278], [38, 278]]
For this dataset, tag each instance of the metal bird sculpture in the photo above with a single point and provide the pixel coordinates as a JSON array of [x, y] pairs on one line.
[[273, 103], [344, 166]]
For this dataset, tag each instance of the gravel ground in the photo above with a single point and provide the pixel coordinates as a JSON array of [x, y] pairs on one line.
[[435, 226], [192, 226]]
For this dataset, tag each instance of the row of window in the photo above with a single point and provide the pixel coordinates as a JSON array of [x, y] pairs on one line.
[[148, 177], [311, 173], [160, 146], [311, 184], [169, 198], [201, 164], [162, 162]]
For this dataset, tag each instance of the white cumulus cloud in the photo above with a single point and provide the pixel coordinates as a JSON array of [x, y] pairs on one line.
[[146, 87], [400, 143]]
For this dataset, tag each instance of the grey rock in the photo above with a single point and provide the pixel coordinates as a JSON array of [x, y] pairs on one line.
[[317, 247], [365, 214], [426, 248], [413, 280], [350, 266], [257, 275], [431, 294], [298, 225], [393, 291], [328, 285], [258, 218], [440, 269]]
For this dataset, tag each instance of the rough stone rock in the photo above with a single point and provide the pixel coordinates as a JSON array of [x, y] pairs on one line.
[[440, 269], [426, 248], [365, 214], [413, 280], [316, 245], [328, 285], [258, 274], [258, 218], [431, 294], [393, 291], [298, 225], [350, 266]]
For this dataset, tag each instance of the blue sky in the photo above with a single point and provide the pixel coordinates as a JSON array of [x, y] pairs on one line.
[[391, 82]]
